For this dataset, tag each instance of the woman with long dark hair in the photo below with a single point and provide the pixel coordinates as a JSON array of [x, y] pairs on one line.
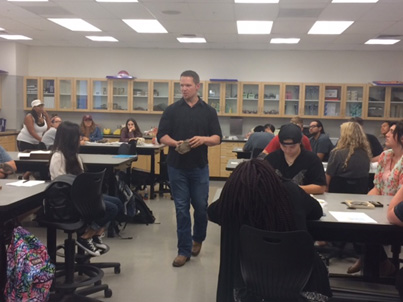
[[254, 195], [65, 160], [131, 131]]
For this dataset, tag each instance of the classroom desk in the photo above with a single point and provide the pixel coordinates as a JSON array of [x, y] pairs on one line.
[[112, 148], [14, 201], [233, 163], [328, 228], [93, 162], [240, 153]]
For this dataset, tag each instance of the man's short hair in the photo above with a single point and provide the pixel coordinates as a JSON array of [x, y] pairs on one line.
[[191, 74], [258, 128], [272, 128], [357, 120], [297, 121]]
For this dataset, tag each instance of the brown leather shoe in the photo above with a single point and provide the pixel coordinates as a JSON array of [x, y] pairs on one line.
[[180, 260], [196, 248]]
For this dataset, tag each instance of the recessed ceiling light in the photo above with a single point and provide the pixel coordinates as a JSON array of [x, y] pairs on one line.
[[102, 38], [329, 27], [382, 41], [284, 41], [2, 29], [15, 37], [254, 27], [191, 40], [145, 25], [256, 1], [27, 0], [125, 1], [74, 24], [355, 1]]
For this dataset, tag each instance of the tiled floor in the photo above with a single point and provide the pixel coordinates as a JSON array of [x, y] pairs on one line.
[[147, 274]]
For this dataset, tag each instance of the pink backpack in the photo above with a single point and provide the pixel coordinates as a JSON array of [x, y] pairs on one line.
[[29, 270]]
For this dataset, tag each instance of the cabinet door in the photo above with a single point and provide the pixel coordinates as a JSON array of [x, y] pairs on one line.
[[81, 94], [120, 95], [141, 92], [396, 102], [376, 102], [292, 97], [231, 104], [250, 99], [31, 89], [48, 93], [177, 93], [65, 94], [214, 160], [332, 101], [354, 100], [99, 89], [214, 95], [310, 99], [160, 95], [271, 99]]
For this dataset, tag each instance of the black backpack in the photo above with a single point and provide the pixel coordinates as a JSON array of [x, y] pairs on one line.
[[57, 203]]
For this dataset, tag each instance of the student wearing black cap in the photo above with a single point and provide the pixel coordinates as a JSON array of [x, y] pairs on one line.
[[295, 163]]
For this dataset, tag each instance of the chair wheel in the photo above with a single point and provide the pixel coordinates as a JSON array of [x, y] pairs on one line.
[[117, 270], [108, 293]]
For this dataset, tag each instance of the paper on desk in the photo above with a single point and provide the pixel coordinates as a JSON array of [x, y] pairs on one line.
[[358, 217], [23, 154], [23, 183], [41, 152]]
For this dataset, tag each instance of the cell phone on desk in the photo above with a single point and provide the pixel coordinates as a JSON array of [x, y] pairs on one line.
[[377, 204], [359, 204]]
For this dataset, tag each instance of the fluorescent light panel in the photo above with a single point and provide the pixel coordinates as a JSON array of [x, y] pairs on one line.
[[284, 41], [27, 0], [254, 27], [191, 40], [102, 38], [382, 41], [2, 29], [145, 25], [74, 24], [15, 37], [355, 1], [256, 1], [329, 27], [117, 1]]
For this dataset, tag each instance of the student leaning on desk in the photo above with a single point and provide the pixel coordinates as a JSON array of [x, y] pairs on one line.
[[131, 131]]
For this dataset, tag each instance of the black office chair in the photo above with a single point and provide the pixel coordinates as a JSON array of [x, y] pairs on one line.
[[86, 196], [276, 266]]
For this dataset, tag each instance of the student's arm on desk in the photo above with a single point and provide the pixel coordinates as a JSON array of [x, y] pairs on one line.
[[398, 198], [313, 189]]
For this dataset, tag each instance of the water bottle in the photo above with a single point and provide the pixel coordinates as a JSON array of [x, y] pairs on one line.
[[146, 193]]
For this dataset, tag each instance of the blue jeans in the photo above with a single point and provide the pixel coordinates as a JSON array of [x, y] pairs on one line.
[[112, 207], [189, 187]]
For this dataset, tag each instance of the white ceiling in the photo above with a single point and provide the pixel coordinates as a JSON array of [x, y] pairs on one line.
[[213, 20]]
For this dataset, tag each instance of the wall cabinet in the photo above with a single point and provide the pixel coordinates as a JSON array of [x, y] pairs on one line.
[[232, 98]]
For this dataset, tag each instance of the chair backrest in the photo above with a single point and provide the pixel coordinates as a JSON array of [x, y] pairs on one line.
[[129, 148], [86, 195], [276, 266], [256, 152], [348, 185]]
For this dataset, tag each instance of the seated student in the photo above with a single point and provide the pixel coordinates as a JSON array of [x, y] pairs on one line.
[[7, 164], [49, 137], [320, 141], [89, 131], [260, 138], [254, 195], [275, 143], [65, 160], [295, 163], [131, 131], [350, 159]]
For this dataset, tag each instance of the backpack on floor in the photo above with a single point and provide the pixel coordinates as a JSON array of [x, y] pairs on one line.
[[144, 214], [29, 270], [127, 197]]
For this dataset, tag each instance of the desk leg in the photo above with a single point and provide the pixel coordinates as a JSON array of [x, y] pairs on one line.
[[152, 172], [371, 262]]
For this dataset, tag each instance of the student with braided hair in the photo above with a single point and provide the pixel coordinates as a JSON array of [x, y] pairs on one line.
[[254, 195]]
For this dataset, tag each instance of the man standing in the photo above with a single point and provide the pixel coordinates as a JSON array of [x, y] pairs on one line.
[[320, 142], [188, 127]]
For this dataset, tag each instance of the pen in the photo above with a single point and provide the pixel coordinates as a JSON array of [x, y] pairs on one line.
[[25, 181]]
